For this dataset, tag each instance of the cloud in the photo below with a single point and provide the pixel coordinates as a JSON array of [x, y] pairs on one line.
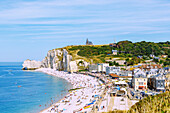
[[27, 25], [104, 17]]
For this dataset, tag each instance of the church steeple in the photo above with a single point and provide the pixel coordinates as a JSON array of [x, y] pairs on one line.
[[87, 41]]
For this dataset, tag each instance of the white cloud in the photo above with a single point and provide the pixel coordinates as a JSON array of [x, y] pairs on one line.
[[87, 16]]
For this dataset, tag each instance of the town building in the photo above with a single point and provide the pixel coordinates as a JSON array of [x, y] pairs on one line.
[[115, 76], [93, 68], [164, 56], [152, 55], [151, 72], [139, 82], [147, 67], [102, 67], [138, 71], [113, 45], [125, 73], [156, 58], [112, 69], [120, 83], [157, 82], [167, 82], [120, 62], [140, 56], [114, 52], [166, 69]]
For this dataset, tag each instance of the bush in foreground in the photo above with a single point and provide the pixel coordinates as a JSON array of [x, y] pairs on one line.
[[153, 104]]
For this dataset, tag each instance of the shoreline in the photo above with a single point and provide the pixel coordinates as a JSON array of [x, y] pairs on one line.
[[51, 105], [68, 103], [59, 99]]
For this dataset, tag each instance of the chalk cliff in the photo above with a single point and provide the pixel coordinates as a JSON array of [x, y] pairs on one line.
[[58, 59], [31, 65]]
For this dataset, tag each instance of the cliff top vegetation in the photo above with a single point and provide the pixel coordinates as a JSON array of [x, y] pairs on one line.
[[126, 51]]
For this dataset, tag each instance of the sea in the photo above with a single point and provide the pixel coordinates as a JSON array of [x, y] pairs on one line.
[[28, 91]]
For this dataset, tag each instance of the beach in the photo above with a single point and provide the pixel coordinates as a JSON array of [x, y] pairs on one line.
[[85, 93]]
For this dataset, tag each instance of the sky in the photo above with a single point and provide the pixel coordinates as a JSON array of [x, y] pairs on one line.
[[30, 28]]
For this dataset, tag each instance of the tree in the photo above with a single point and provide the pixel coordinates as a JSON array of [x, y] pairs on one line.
[[116, 64], [161, 61], [127, 59], [155, 60]]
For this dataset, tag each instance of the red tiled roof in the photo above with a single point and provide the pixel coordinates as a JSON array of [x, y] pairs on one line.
[[149, 66], [114, 75]]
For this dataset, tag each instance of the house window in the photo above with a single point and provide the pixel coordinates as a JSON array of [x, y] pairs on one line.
[[137, 79], [144, 79], [140, 83], [158, 82]]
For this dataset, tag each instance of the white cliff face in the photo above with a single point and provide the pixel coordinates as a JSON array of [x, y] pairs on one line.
[[52, 59], [66, 60], [73, 66], [56, 59], [29, 65]]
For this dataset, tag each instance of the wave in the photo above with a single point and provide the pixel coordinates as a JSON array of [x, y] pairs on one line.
[[10, 73]]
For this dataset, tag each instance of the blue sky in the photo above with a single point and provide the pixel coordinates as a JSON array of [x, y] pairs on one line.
[[29, 28]]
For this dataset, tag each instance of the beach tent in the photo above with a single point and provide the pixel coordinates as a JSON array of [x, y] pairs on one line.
[[94, 101], [118, 87], [95, 96]]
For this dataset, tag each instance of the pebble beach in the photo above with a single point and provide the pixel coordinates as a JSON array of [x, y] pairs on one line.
[[81, 98]]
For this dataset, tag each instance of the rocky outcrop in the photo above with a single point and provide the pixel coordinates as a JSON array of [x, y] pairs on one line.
[[58, 59], [31, 64]]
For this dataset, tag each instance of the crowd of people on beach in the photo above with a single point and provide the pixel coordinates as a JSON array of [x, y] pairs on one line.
[[85, 93]]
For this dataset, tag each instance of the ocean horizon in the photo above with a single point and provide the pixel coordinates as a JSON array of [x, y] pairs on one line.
[[28, 91]]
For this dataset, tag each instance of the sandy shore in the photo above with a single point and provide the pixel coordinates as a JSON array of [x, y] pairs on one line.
[[82, 99]]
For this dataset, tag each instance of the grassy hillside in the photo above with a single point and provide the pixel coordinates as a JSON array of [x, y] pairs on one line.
[[86, 53], [153, 104], [127, 50]]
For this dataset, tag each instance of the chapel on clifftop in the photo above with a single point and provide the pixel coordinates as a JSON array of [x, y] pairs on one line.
[[88, 42]]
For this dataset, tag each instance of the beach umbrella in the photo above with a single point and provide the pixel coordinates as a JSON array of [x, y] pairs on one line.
[[118, 87], [94, 101], [96, 96], [64, 109], [85, 107]]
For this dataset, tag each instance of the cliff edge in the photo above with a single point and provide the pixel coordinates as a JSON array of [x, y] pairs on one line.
[[58, 59], [31, 65]]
